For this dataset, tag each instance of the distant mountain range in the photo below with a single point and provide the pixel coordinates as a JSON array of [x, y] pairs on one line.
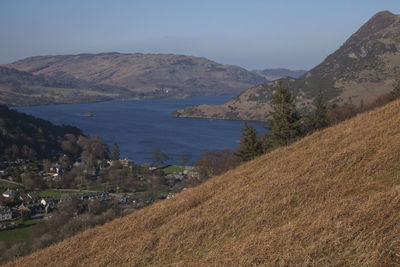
[[94, 77], [364, 67], [274, 74]]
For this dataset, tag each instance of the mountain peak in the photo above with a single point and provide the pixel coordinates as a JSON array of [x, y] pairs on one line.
[[384, 13], [376, 23]]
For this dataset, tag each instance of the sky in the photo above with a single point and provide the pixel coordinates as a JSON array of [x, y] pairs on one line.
[[254, 34]]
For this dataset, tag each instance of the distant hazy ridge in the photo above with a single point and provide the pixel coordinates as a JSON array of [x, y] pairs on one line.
[[120, 76]]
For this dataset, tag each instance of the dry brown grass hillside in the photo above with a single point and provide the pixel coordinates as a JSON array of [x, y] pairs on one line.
[[331, 199]]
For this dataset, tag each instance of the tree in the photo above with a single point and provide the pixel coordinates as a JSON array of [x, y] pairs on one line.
[[249, 146], [156, 156], [266, 143], [94, 150], [163, 157], [65, 162], [153, 186], [69, 145], [32, 181], [159, 157], [320, 111], [69, 205], [46, 165], [183, 159], [344, 112], [284, 124], [115, 152], [28, 152], [214, 163], [95, 207], [317, 118], [12, 152]]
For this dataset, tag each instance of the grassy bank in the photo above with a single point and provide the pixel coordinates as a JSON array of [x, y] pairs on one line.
[[21, 233], [173, 168]]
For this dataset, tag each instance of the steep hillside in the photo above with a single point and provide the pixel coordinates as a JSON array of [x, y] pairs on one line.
[[274, 74], [19, 88], [333, 198], [24, 136], [147, 75], [364, 67]]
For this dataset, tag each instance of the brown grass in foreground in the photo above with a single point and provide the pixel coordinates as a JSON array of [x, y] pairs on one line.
[[333, 198]]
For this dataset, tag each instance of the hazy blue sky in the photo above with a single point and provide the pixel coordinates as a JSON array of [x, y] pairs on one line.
[[252, 34]]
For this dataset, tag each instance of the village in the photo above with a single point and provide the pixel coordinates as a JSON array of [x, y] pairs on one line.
[[22, 205], [20, 201]]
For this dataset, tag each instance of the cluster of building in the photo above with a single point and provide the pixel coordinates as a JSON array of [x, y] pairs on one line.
[[55, 172], [4, 174], [16, 203], [26, 202], [30, 203]]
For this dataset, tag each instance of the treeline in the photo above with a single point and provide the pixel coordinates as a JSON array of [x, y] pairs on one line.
[[285, 126], [24, 136]]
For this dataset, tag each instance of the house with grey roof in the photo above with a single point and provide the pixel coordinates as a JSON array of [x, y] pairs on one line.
[[5, 214]]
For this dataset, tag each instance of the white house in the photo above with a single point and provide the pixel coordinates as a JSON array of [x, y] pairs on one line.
[[43, 202], [9, 193]]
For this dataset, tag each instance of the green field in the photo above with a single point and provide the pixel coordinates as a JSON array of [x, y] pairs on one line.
[[173, 168], [21, 233], [54, 193]]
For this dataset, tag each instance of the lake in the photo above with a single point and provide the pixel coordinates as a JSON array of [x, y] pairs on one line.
[[141, 126]]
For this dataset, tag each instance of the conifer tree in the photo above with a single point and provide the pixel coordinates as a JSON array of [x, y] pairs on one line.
[[284, 123], [317, 118], [249, 147], [320, 112], [266, 143]]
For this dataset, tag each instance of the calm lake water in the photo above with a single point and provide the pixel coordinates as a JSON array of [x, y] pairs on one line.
[[140, 126]]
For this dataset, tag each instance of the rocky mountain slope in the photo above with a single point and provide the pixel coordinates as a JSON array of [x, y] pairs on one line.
[[330, 199], [144, 75], [274, 74], [364, 67], [19, 88]]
